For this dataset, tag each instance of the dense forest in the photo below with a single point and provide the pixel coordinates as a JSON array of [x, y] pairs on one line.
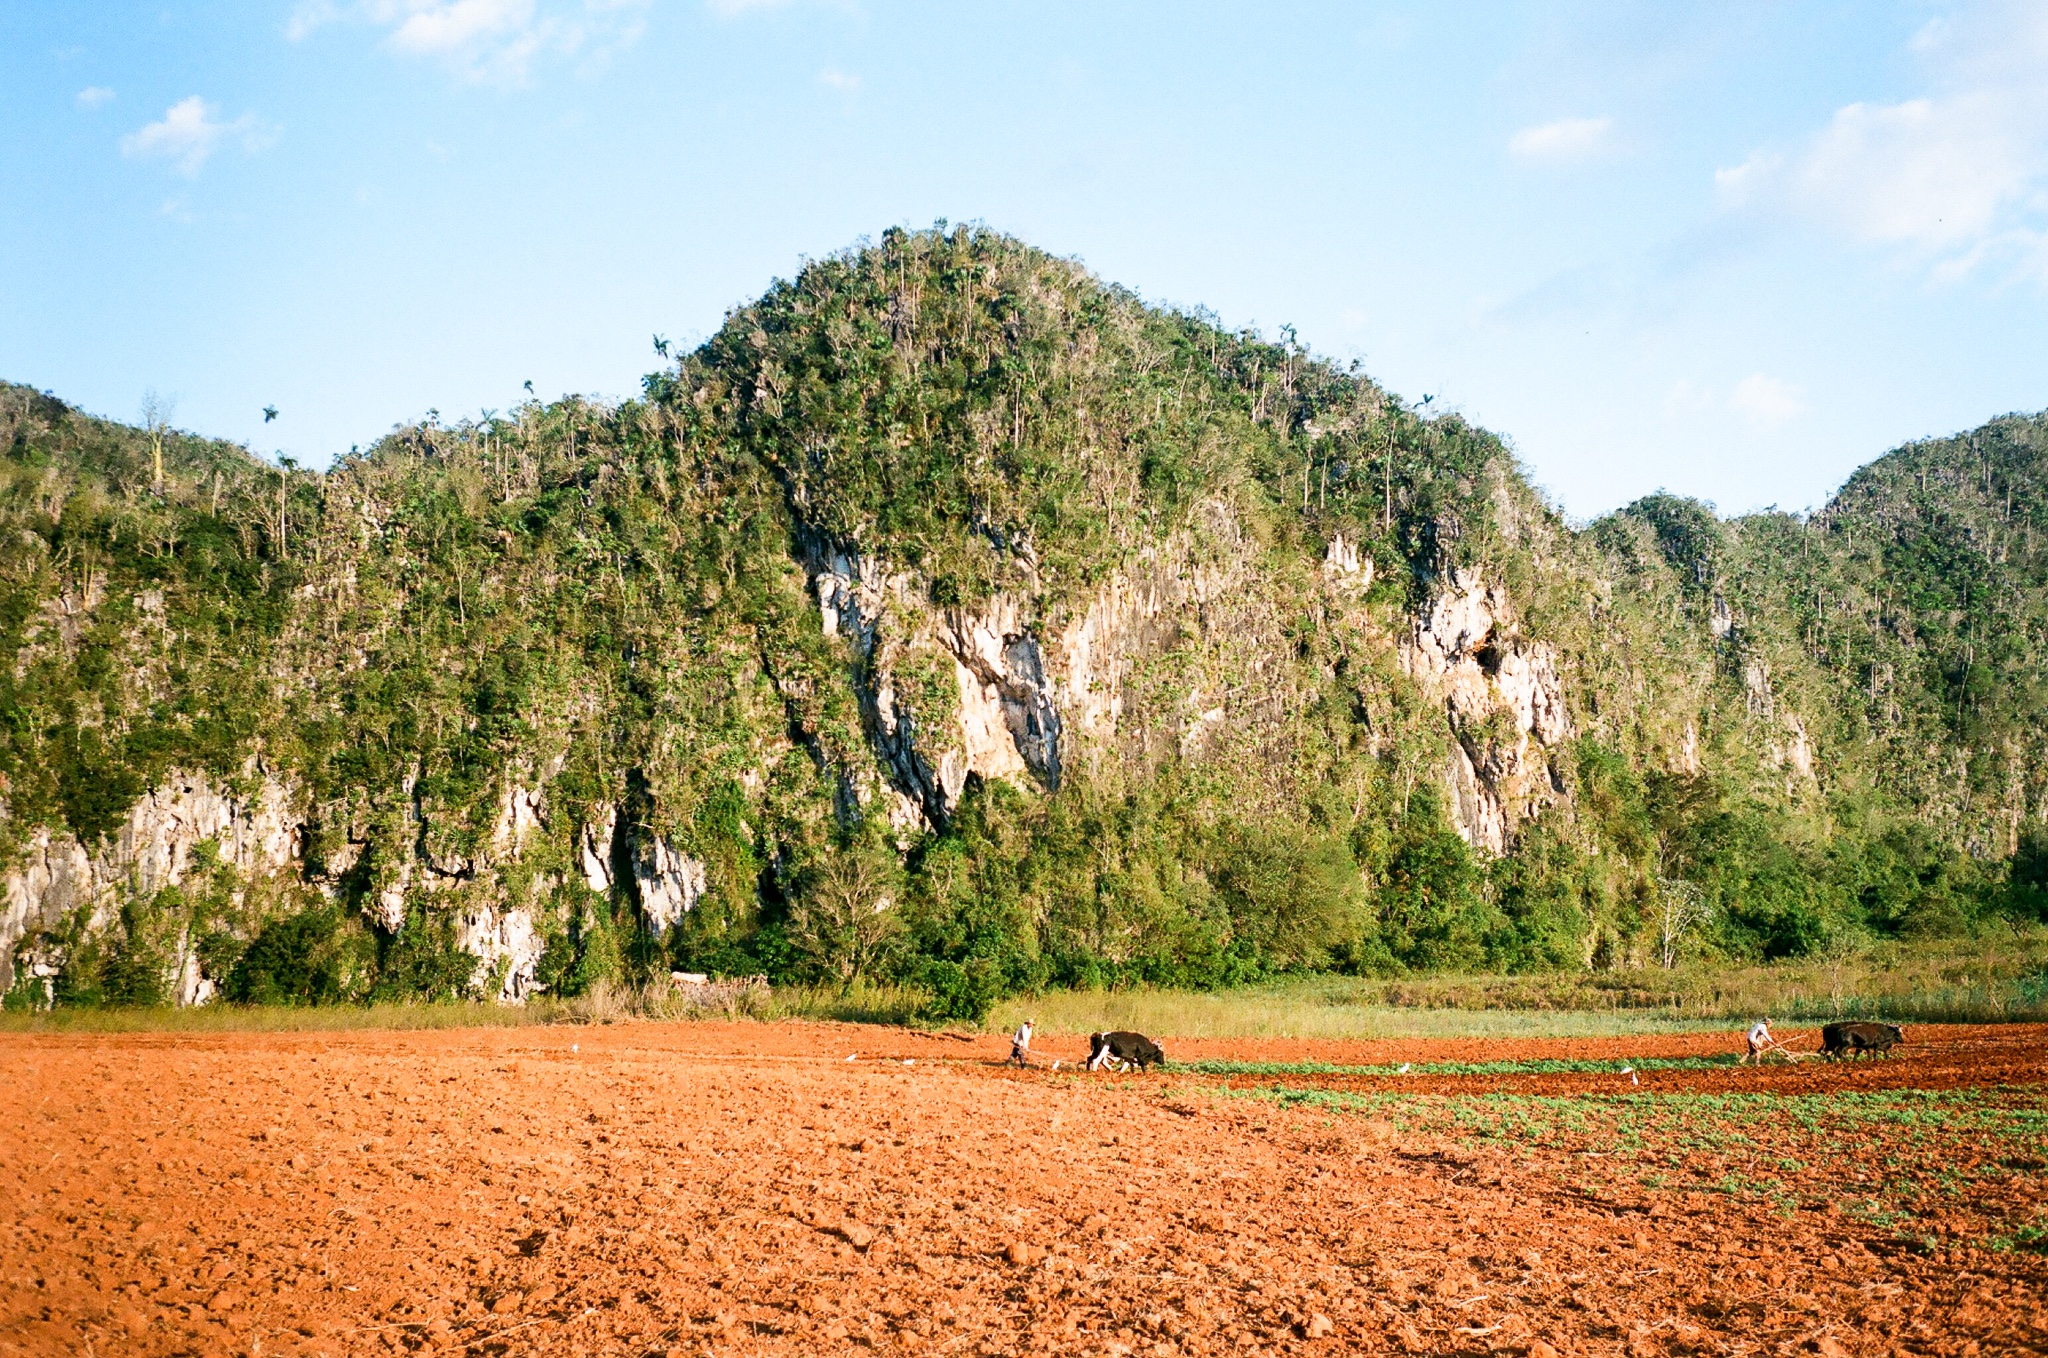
[[954, 618]]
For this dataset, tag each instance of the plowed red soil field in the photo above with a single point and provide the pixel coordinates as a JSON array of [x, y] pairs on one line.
[[803, 1188]]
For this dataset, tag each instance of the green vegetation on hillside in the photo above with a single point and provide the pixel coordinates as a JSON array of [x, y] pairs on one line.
[[1785, 737]]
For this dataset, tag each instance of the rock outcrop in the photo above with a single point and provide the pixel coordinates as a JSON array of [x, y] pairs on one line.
[[1505, 703], [670, 883], [257, 834], [1005, 721]]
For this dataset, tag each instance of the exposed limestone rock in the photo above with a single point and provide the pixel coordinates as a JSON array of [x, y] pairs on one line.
[[935, 787], [1756, 689], [1092, 651], [999, 656], [1789, 747], [193, 986], [67, 613], [1036, 695], [1689, 750], [1343, 564], [670, 883], [54, 878], [1135, 614], [519, 815], [387, 908], [594, 847], [1007, 719], [1505, 703], [257, 835], [852, 594], [1798, 749], [1792, 750], [1198, 724], [504, 938]]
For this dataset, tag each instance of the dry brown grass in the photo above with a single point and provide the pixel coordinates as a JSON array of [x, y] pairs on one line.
[[1998, 977]]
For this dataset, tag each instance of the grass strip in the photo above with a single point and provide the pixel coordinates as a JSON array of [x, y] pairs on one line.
[[1545, 1066]]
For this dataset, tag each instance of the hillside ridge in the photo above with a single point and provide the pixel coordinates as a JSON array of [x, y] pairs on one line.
[[955, 618]]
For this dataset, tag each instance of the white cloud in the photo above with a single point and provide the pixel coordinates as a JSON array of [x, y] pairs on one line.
[[487, 40], [191, 131], [92, 96], [458, 25], [309, 17], [1766, 401], [839, 80], [1951, 179], [1565, 139], [1738, 184], [1936, 173], [733, 9]]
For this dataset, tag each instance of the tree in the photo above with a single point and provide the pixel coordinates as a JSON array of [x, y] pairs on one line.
[[845, 922], [1681, 908], [156, 421]]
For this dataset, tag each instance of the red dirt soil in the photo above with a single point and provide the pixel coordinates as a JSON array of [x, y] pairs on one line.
[[746, 1188]]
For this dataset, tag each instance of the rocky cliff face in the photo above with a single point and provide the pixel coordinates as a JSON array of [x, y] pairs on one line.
[[1504, 702], [1033, 694], [1003, 720], [59, 890], [257, 833]]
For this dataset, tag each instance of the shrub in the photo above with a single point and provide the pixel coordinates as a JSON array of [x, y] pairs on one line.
[[423, 960], [316, 956], [960, 992]]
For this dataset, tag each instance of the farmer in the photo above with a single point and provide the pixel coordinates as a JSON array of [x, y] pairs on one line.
[[1760, 1040], [1020, 1044]]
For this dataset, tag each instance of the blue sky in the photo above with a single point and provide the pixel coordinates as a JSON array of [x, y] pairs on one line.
[[1732, 250]]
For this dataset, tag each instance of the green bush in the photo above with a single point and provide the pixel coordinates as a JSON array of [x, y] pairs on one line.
[[960, 992], [423, 960], [1433, 915], [138, 969], [315, 956], [598, 957]]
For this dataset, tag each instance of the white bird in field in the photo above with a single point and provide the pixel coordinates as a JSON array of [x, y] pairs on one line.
[[1630, 1071], [851, 1057], [1404, 1068]]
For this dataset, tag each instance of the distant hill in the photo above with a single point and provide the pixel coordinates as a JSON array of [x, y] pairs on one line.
[[954, 617]]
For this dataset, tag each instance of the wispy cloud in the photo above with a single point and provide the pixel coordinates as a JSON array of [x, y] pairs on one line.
[[487, 40], [457, 27], [1564, 140], [839, 80], [92, 96], [1935, 173], [1953, 178], [308, 17], [733, 9], [191, 130], [1767, 401]]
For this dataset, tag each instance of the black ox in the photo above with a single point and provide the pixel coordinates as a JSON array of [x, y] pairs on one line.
[[1123, 1050], [1853, 1039]]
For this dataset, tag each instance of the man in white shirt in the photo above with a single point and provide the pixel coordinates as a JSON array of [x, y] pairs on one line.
[[1020, 1044], [1759, 1040]]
